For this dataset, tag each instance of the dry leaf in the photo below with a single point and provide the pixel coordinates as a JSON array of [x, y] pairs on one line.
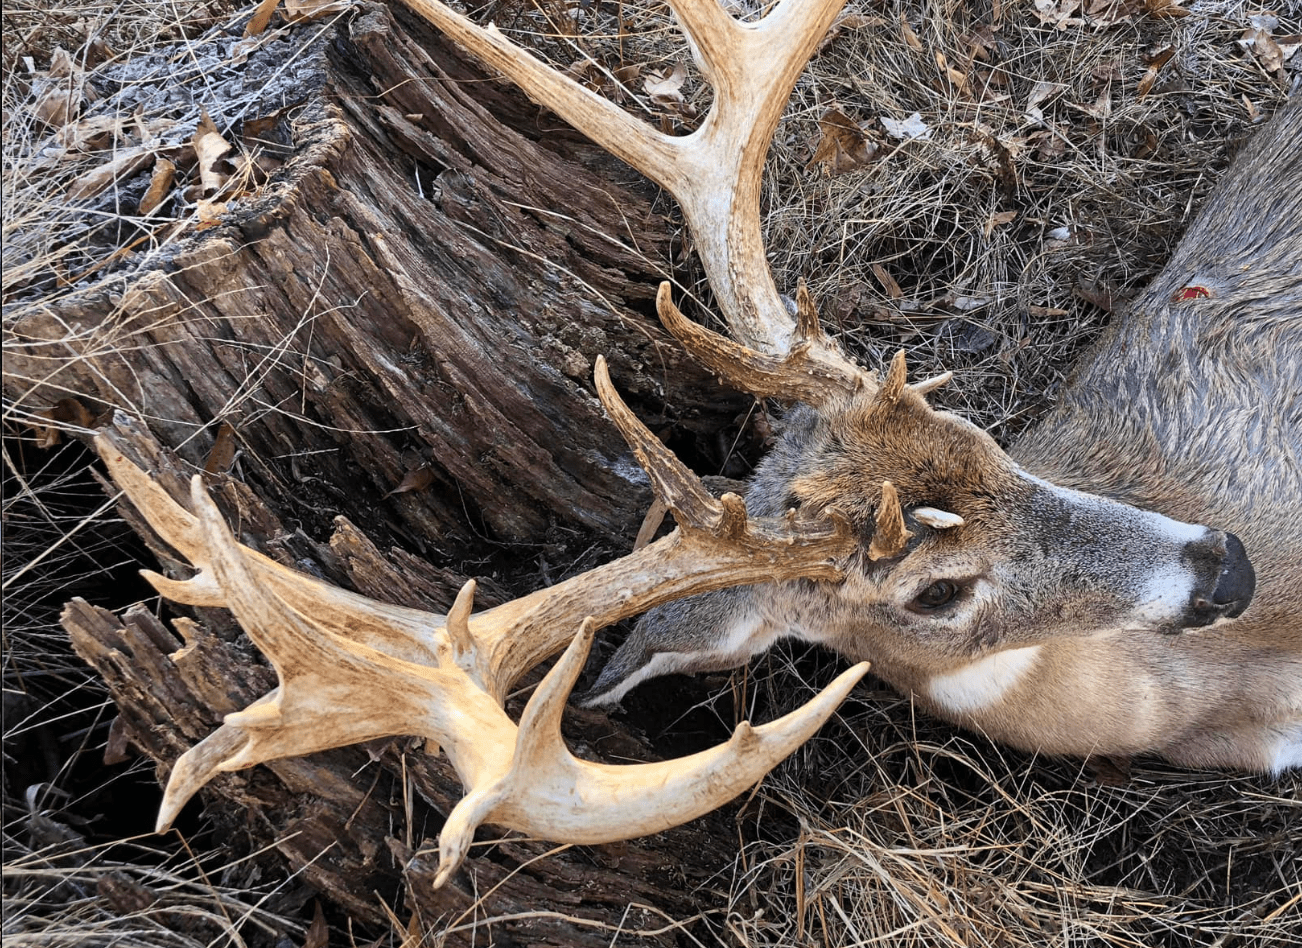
[[956, 78], [887, 281], [222, 455], [910, 37], [59, 92], [318, 933], [303, 11], [160, 183], [664, 87], [911, 128], [1146, 83], [1061, 13], [842, 144], [1266, 50], [844, 23], [1039, 93], [261, 17], [418, 479], [125, 165], [209, 149], [95, 133], [1164, 8], [999, 219]]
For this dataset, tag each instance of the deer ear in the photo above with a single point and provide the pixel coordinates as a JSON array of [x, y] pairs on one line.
[[712, 632]]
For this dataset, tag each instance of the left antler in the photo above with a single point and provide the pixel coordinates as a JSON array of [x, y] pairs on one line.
[[351, 669]]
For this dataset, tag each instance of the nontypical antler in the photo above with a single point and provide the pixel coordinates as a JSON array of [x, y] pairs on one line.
[[715, 171], [351, 669]]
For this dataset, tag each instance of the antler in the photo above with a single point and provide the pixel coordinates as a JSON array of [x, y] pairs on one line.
[[352, 669], [715, 172]]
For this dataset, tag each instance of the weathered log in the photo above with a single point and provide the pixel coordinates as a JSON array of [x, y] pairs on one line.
[[420, 286]]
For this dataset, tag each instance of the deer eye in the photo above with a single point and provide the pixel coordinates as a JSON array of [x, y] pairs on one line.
[[936, 596]]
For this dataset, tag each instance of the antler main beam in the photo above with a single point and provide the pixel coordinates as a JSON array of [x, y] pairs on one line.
[[715, 172], [352, 669]]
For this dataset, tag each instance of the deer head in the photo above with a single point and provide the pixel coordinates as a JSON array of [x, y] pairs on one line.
[[961, 554]]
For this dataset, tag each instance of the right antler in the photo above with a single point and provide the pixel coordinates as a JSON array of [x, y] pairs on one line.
[[715, 172], [352, 669]]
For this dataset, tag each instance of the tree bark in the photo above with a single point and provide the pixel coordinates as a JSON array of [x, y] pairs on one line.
[[423, 287]]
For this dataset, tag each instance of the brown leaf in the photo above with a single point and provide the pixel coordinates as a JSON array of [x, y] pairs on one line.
[[956, 78], [60, 91], [303, 11], [664, 87], [95, 133], [1146, 83], [209, 149], [999, 219], [1162, 9], [842, 144], [418, 479], [222, 455], [127, 164], [910, 37], [261, 17], [887, 281], [318, 933], [844, 23], [160, 183]]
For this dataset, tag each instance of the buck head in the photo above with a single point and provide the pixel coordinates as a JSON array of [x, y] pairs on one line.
[[960, 552]]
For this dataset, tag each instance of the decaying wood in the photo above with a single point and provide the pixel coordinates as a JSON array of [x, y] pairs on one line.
[[348, 320]]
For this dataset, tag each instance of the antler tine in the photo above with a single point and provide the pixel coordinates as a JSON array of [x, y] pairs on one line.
[[812, 371], [676, 486], [715, 172], [890, 536]]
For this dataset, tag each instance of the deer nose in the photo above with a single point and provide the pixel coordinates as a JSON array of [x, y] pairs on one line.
[[1235, 584]]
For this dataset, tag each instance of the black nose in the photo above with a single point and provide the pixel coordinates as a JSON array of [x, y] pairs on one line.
[[1235, 584], [1238, 580]]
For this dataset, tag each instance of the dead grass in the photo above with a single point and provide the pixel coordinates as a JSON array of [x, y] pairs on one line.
[[1047, 190]]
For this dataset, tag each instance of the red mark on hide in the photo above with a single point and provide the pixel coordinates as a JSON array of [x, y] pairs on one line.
[[1186, 293]]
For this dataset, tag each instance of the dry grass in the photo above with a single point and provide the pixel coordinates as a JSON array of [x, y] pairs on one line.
[[988, 248]]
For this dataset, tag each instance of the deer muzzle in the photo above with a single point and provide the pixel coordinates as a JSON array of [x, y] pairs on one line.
[[1231, 579]]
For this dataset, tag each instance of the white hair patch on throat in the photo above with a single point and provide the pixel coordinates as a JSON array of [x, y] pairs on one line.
[[983, 683]]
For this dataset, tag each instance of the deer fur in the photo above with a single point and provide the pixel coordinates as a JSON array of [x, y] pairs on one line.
[[1105, 604]]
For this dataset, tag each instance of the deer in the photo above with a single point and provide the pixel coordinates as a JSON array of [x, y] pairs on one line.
[[878, 525]]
